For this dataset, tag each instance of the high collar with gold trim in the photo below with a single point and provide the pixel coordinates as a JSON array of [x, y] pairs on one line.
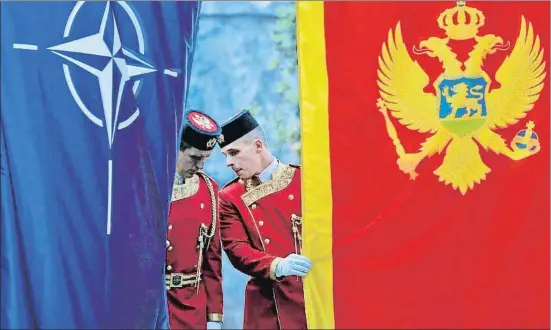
[[281, 179], [185, 190], [278, 172]]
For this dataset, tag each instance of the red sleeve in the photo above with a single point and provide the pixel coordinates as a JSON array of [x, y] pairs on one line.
[[212, 274], [235, 240]]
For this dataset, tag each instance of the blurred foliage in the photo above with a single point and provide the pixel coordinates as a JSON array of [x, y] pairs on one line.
[[285, 63]]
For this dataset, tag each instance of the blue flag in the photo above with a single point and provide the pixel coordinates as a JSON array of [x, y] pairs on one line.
[[92, 103]]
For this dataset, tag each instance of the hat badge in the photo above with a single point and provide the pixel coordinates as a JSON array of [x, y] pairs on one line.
[[202, 121], [211, 143]]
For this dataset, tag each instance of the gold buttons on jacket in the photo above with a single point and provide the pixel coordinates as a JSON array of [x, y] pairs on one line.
[[170, 227], [167, 243], [267, 241], [202, 206], [253, 206], [261, 223], [170, 248], [291, 197], [169, 267]]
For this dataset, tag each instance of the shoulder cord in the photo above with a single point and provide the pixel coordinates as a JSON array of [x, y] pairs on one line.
[[204, 232]]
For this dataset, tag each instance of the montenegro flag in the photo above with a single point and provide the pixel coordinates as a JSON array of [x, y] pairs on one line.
[[425, 129]]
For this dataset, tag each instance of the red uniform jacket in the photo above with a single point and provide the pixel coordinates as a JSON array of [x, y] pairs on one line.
[[259, 226], [194, 279]]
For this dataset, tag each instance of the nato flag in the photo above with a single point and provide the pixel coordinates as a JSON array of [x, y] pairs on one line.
[[92, 99]]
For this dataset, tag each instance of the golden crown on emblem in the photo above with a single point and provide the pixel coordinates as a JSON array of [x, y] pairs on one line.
[[454, 21]]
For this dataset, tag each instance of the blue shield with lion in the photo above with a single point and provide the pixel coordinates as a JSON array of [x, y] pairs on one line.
[[462, 103]]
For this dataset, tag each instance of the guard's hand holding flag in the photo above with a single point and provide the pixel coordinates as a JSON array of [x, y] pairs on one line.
[[293, 264]]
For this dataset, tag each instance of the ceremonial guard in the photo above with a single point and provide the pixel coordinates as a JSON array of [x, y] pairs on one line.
[[193, 258], [260, 222]]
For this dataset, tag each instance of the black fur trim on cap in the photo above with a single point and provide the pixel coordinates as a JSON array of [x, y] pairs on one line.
[[236, 127], [200, 130]]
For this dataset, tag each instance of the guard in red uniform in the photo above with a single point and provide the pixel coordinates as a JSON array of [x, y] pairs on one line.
[[260, 222], [193, 258]]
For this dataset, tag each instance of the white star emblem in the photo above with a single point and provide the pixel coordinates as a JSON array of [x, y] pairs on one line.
[[113, 71], [116, 56]]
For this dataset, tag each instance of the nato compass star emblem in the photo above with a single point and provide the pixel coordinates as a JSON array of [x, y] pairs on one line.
[[119, 67]]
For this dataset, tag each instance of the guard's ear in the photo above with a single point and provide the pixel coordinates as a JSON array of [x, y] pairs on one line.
[[258, 145]]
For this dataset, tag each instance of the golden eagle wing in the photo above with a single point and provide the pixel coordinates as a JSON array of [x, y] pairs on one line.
[[521, 77], [401, 83]]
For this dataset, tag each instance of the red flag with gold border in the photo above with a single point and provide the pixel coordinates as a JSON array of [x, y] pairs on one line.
[[425, 129]]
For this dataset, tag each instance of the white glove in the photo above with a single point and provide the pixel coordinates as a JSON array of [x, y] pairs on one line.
[[293, 264], [214, 325]]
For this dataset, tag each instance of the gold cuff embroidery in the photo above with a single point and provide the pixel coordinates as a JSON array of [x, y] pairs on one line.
[[215, 317], [269, 187], [273, 266], [189, 188]]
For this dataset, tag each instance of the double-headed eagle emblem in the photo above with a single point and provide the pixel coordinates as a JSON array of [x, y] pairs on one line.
[[202, 121], [464, 111]]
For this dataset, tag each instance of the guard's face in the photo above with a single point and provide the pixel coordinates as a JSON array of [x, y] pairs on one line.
[[243, 158], [190, 161]]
